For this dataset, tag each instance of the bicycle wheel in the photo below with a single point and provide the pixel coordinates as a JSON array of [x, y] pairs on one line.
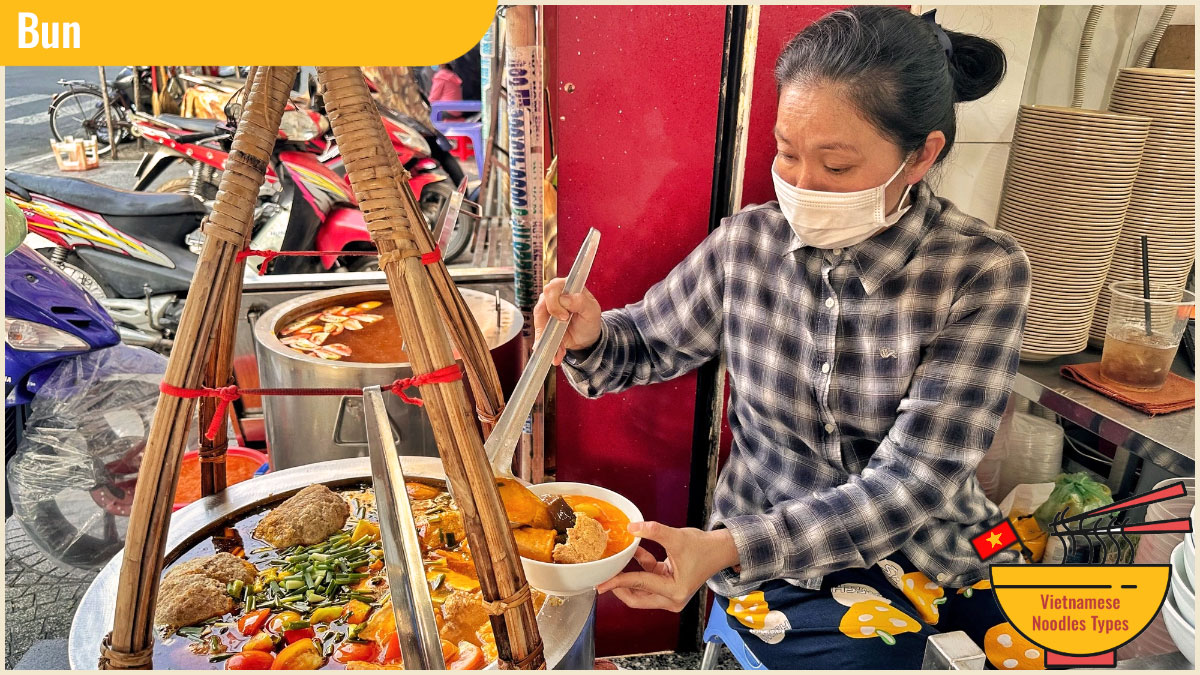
[[76, 113]]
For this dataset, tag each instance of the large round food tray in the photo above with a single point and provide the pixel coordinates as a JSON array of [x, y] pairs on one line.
[[566, 624]]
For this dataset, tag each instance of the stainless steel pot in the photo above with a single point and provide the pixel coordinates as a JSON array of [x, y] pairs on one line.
[[306, 429], [566, 624]]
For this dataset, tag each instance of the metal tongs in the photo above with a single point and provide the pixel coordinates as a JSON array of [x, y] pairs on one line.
[[502, 442], [447, 218], [416, 626]]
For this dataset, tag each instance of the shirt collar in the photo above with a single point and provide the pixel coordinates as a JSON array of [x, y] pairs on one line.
[[881, 256]]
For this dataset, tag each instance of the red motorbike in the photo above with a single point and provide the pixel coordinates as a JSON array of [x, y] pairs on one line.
[[314, 159]]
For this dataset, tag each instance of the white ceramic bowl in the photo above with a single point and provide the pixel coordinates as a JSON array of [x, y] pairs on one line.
[[1180, 566], [1181, 588], [572, 579], [1189, 557], [1183, 634]]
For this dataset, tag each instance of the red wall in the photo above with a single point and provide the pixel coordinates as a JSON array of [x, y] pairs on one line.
[[636, 138]]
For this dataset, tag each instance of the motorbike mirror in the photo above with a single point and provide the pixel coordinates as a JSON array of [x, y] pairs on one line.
[[15, 227]]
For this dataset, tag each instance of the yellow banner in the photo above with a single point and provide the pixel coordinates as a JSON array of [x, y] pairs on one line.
[[71, 32]]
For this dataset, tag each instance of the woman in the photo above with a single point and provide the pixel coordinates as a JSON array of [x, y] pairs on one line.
[[871, 332]]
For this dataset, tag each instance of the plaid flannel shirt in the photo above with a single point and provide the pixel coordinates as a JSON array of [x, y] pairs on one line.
[[867, 384]]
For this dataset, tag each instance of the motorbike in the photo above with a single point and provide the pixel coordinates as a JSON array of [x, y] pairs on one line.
[[136, 252], [202, 144], [47, 319]]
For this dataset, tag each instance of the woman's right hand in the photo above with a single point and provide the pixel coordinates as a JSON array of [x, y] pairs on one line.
[[581, 309]]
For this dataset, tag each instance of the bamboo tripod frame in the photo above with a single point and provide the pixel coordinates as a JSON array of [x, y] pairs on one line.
[[426, 302]]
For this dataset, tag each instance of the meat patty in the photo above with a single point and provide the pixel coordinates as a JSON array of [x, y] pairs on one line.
[[223, 567], [585, 542], [308, 517], [185, 599]]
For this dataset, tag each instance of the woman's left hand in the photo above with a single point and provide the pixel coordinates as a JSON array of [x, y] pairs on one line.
[[692, 557]]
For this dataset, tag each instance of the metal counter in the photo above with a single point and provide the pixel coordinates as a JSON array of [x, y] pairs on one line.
[[1168, 441]]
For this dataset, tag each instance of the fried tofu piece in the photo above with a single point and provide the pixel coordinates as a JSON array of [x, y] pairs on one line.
[[585, 541], [442, 530], [535, 544], [308, 517], [185, 599]]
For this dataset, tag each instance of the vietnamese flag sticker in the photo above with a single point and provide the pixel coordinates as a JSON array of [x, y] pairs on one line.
[[995, 540]]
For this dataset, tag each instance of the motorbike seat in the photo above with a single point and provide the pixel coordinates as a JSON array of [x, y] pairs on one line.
[[104, 199], [191, 123]]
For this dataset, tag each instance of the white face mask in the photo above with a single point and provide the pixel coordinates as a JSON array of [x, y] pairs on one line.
[[837, 219]]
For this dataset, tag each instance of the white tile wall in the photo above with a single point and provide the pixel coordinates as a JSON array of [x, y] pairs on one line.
[[1042, 44], [1120, 35], [972, 177], [973, 174], [992, 118]]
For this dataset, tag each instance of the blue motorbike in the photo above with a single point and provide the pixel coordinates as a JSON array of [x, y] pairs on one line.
[[48, 318]]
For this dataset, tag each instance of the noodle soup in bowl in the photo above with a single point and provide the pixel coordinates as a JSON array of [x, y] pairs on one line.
[[574, 578]]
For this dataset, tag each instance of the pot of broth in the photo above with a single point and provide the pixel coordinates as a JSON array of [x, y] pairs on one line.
[[350, 338], [327, 624]]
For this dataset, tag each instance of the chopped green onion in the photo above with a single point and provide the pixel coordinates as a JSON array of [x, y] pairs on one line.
[[294, 584], [437, 581], [217, 658], [293, 598], [314, 597], [297, 625]]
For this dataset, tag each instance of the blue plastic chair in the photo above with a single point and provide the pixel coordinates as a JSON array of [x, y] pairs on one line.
[[472, 130], [718, 632]]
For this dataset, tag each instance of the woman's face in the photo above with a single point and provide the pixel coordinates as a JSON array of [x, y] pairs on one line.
[[823, 143]]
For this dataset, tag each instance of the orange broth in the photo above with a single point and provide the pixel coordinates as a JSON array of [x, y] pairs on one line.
[[609, 516]]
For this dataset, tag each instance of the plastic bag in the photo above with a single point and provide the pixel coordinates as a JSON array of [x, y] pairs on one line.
[[71, 480], [1076, 493], [1018, 508]]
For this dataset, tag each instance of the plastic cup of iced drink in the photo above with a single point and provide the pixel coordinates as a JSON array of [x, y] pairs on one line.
[[1143, 334]]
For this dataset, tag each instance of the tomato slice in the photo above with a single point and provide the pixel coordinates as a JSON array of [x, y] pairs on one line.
[[354, 651], [251, 660], [291, 636], [449, 651], [302, 655], [391, 649], [261, 642], [277, 622], [470, 657], [252, 622]]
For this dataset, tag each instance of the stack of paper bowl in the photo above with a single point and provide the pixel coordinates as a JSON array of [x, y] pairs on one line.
[[1069, 179], [1163, 203]]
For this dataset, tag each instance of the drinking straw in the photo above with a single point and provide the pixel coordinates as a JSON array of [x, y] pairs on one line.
[[1146, 282]]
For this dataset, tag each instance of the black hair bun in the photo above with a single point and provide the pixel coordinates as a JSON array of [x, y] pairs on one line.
[[977, 65]]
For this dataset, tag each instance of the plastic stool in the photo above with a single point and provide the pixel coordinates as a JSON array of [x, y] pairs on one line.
[[469, 130], [718, 632]]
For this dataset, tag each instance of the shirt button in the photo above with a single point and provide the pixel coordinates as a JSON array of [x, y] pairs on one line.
[[829, 428], [837, 251], [824, 367], [829, 302]]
